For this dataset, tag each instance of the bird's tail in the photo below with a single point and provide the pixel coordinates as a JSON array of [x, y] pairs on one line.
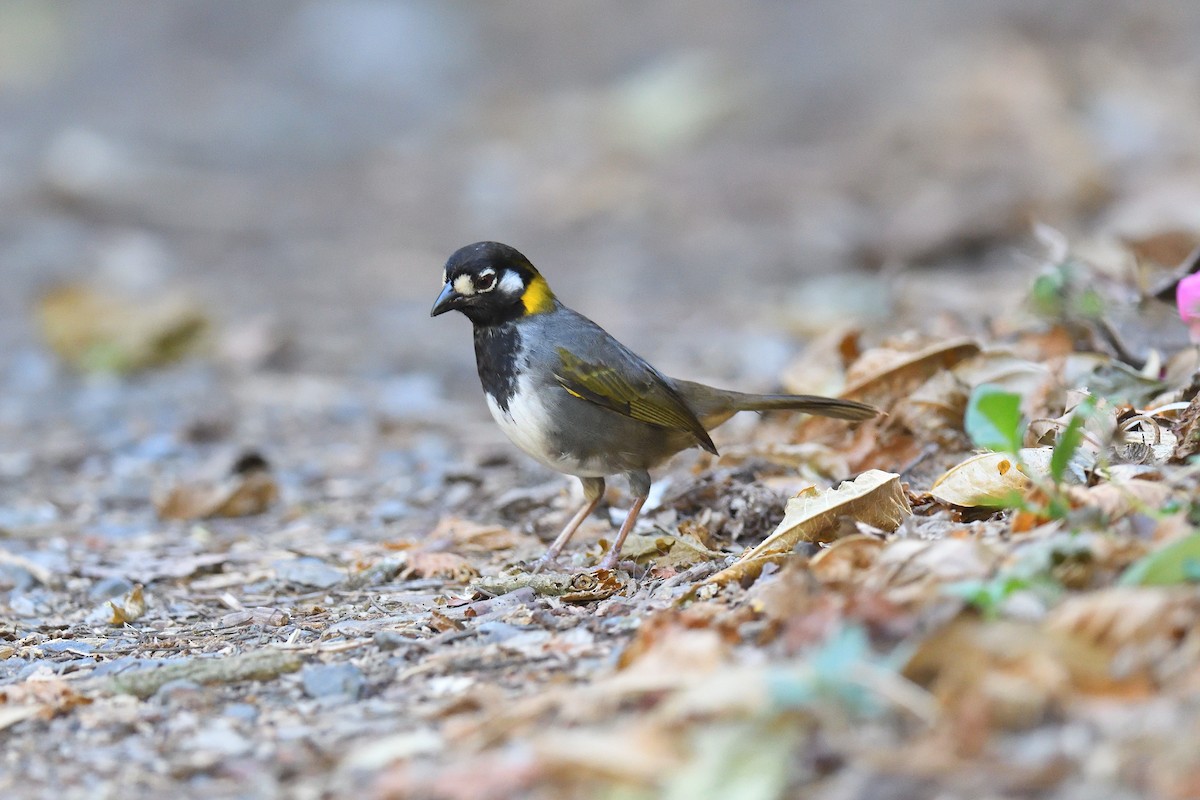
[[714, 406], [807, 403]]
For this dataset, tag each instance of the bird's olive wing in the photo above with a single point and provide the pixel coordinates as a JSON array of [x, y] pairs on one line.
[[634, 390]]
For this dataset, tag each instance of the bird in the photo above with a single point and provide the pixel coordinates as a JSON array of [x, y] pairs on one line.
[[575, 399]]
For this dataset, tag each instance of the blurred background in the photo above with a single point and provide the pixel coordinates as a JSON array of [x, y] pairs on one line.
[[714, 182]]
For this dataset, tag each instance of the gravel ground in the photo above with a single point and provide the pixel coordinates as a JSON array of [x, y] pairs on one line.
[[721, 185]]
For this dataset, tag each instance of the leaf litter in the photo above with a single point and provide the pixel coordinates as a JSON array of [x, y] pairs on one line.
[[1015, 554], [994, 589], [1010, 551]]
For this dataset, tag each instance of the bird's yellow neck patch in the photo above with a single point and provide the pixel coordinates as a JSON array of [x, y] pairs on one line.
[[537, 297]]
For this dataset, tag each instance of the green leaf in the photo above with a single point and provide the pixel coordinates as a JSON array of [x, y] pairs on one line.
[[993, 419], [1047, 294], [1177, 562], [988, 595], [1069, 441]]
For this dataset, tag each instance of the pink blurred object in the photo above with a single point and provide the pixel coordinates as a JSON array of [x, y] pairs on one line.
[[1187, 297]]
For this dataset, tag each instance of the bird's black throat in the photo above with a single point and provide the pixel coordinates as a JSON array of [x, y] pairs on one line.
[[496, 350]]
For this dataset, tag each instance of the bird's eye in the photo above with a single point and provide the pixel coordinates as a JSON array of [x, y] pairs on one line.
[[485, 282]]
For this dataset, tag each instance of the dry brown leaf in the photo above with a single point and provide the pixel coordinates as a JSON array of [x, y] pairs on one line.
[[935, 410], [1115, 500], [874, 498], [465, 536], [1003, 674], [990, 480], [448, 566], [1187, 431], [129, 608], [819, 368], [92, 331], [1004, 369], [846, 559], [743, 571], [1164, 247], [914, 571], [664, 549], [671, 642], [247, 492], [37, 697], [640, 753], [1136, 627], [1044, 344], [901, 373]]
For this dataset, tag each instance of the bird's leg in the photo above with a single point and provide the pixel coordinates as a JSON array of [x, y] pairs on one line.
[[593, 490], [614, 553], [639, 486]]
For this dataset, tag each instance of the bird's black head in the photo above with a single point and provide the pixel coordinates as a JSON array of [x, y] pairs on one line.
[[492, 283]]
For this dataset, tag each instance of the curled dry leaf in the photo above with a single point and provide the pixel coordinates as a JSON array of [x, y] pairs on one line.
[[819, 368], [250, 490], [1116, 500], [875, 498], [1187, 431], [129, 608], [935, 410], [744, 570], [897, 374], [448, 566], [846, 558], [914, 570], [1004, 369], [96, 332], [988, 480], [665, 549]]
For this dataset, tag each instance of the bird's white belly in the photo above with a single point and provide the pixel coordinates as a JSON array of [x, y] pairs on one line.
[[528, 425]]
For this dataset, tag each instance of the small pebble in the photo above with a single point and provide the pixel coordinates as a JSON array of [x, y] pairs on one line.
[[15, 577], [494, 631], [392, 640], [241, 711], [66, 646], [180, 691], [308, 571], [390, 511], [332, 680]]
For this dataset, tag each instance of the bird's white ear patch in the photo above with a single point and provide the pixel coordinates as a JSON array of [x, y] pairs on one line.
[[511, 283], [464, 285]]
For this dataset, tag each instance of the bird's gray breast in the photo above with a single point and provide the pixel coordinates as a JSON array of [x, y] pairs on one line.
[[563, 431]]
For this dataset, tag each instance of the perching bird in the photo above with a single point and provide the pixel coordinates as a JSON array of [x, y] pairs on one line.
[[577, 400]]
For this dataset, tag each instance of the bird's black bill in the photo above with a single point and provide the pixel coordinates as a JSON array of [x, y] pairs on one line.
[[446, 301]]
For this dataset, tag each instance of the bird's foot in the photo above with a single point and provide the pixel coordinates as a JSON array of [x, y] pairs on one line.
[[548, 561], [612, 563]]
